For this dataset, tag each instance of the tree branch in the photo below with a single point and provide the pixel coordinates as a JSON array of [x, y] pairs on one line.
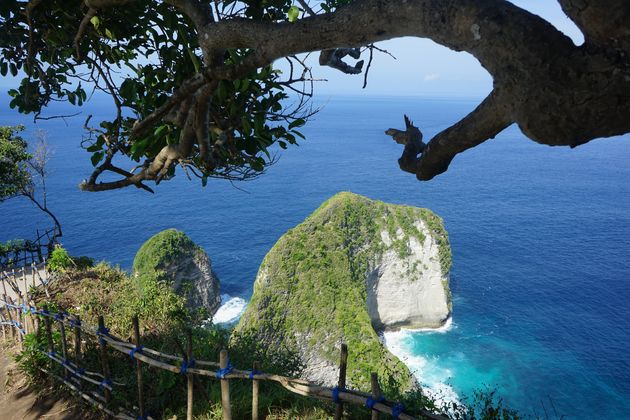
[[491, 117]]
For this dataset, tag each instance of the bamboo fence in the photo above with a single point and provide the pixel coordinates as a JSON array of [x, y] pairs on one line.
[[19, 318]]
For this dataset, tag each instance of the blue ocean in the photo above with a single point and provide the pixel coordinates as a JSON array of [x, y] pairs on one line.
[[540, 239]]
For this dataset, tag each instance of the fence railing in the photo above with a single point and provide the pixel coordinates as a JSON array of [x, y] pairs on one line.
[[27, 252], [19, 318]]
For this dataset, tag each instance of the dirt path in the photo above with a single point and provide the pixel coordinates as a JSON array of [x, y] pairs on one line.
[[23, 278], [18, 401]]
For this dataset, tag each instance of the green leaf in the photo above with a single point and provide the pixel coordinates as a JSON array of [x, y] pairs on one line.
[[109, 34], [244, 85], [96, 158], [293, 13], [159, 130], [194, 59], [297, 123], [95, 21]]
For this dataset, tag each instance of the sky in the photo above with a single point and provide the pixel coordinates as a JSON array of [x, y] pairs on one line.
[[421, 67], [424, 68]]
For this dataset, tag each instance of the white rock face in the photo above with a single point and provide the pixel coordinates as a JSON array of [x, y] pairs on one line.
[[408, 292]]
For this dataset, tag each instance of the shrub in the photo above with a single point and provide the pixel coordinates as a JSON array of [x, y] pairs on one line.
[[59, 260]]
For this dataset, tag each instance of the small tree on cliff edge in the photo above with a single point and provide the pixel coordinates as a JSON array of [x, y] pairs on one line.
[[192, 81], [23, 174]]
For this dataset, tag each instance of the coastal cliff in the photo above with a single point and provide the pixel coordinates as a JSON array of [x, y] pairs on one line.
[[353, 268], [174, 258]]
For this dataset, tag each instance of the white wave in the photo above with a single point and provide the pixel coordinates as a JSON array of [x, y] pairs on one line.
[[230, 311], [427, 371]]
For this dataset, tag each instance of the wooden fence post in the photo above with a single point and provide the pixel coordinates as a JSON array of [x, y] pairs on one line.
[[25, 291], [64, 346], [17, 320], [255, 390], [33, 270], [22, 315], [103, 352], [49, 338], [136, 335], [4, 306], [343, 364], [189, 377], [4, 333], [77, 343], [6, 299], [376, 393], [225, 387]]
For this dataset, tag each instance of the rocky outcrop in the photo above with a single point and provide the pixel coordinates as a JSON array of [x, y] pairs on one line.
[[352, 269], [409, 290], [173, 257]]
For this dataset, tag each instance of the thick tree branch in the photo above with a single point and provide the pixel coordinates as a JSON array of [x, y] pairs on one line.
[[550, 81], [197, 12], [603, 22], [491, 117], [557, 93]]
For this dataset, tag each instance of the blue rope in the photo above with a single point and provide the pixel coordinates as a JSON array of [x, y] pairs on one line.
[[222, 373], [397, 410], [44, 312], [137, 349], [102, 331], [75, 323], [369, 403], [80, 372], [254, 372], [183, 369], [51, 354], [58, 317], [104, 383], [335, 393]]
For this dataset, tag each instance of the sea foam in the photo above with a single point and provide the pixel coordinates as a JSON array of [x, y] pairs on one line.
[[230, 311], [433, 377]]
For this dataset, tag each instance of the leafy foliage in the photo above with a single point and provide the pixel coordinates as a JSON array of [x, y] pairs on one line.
[[59, 260], [14, 174], [153, 58], [160, 250], [107, 291]]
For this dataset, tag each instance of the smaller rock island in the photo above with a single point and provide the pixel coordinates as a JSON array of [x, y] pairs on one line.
[[174, 258]]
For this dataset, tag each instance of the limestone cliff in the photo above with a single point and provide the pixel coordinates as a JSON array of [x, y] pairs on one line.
[[354, 267], [176, 259]]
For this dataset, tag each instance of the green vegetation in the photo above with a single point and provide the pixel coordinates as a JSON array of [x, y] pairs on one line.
[[164, 320], [161, 250], [331, 254], [61, 261], [14, 157]]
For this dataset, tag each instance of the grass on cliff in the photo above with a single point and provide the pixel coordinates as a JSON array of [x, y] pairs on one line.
[[331, 253], [164, 320], [164, 247]]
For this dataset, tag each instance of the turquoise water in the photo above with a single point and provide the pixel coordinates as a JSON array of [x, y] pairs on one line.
[[540, 239]]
